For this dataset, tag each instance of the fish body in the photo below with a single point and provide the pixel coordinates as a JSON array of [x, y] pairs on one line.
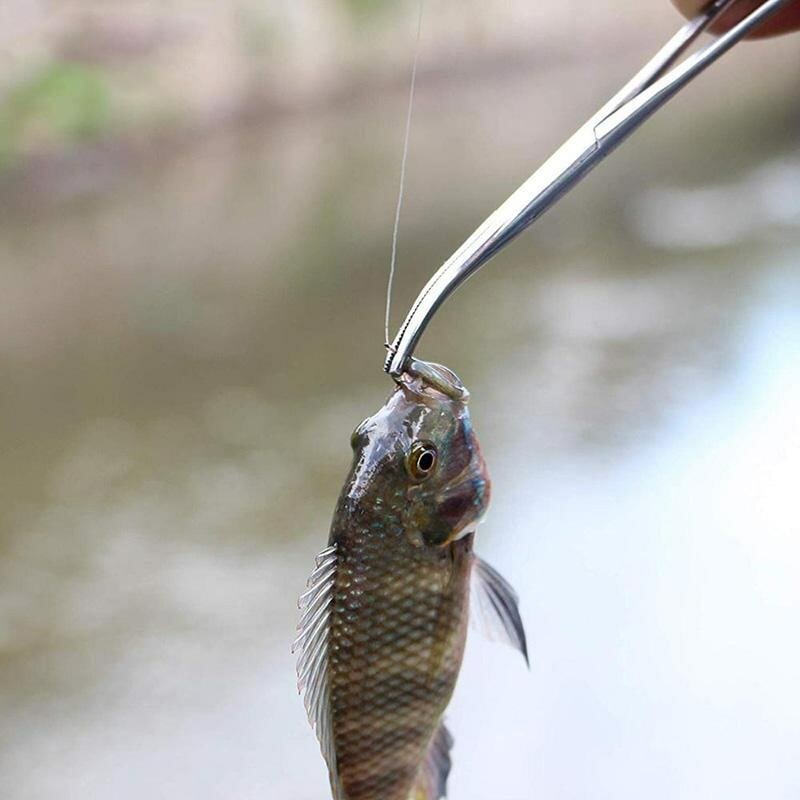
[[385, 617]]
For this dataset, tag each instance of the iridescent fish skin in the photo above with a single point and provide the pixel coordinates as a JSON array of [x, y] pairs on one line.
[[394, 598]]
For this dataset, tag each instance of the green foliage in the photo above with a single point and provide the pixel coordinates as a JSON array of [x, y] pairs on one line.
[[361, 9], [61, 102]]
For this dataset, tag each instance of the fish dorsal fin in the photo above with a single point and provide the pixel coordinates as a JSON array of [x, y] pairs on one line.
[[431, 783], [311, 646], [496, 605]]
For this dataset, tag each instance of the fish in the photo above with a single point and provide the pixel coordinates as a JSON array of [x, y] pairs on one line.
[[384, 619]]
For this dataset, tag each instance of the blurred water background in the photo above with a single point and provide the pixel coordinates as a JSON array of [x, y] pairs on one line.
[[195, 220]]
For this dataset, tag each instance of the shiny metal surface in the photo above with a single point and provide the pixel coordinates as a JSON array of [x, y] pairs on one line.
[[641, 97]]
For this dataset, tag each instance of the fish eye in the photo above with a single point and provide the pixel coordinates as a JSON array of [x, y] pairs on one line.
[[421, 460]]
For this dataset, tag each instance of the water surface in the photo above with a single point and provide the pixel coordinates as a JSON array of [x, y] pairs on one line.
[[185, 353]]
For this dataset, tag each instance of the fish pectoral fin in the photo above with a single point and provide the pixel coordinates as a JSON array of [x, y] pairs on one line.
[[496, 605], [311, 646], [431, 783]]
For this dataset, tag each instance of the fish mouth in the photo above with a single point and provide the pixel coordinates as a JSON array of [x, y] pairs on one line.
[[421, 375]]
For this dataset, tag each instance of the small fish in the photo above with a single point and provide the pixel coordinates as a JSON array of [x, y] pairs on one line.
[[384, 620]]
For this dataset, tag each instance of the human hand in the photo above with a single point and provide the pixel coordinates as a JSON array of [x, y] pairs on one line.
[[783, 21]]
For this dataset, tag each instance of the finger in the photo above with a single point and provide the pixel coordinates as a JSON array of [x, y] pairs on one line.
[[783, 21]]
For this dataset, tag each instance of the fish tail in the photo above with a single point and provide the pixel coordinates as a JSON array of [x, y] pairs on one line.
[[431, 783]]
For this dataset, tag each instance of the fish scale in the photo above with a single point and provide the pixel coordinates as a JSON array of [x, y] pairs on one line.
[[386, 663], [385, 619]]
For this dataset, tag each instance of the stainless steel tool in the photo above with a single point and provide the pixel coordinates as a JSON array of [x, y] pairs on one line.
[[642, 96]]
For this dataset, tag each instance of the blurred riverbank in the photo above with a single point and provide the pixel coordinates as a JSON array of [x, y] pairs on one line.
[[90, 90]]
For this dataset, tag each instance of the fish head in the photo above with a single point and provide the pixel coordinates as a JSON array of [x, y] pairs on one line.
[[419, 460]]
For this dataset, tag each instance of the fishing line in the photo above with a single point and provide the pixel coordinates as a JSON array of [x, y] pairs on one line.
[[402, 174]]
